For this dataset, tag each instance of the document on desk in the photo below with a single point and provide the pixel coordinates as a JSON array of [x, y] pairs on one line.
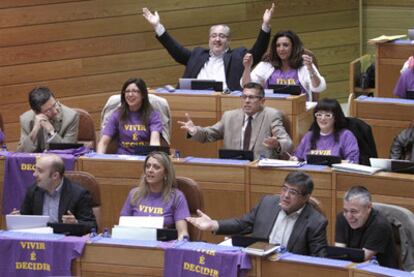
[[134, 233], [142, 221], [278, 163], [356, 168]]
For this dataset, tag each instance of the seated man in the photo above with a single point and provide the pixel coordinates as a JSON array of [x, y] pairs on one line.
[[56, 196], [47, 122], [361, 226], [287, 219], [219, 62], [253, 127]]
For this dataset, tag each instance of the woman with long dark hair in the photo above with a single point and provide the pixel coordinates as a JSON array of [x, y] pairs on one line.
[[135, 123], [286, 63], [328, 134]]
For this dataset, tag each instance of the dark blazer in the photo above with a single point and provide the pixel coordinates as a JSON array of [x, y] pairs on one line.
[[195, 59], [309, 232], [73, 197], [366, 142]]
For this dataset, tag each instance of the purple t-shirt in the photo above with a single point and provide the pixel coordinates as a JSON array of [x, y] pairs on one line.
[[406, 82], [280, 77], [153, 205], [346, 147], [132, 132]]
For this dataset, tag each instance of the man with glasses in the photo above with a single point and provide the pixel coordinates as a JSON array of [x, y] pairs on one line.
[[361, 226], [253, 127], [47, 122], [218, 62], [287, 219]]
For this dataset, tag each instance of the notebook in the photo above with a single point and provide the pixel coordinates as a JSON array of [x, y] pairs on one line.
[[70, 229], [15, 222], [402, 166], [355, 168], [286, 89], [322, 159], [345, 253], [235, 154], [144, 150], [64, 146]]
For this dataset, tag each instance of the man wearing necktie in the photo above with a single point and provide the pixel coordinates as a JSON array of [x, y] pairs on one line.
[[252, 127], [48, 121]]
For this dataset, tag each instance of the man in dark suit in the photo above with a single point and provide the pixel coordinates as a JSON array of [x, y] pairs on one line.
[[47, 122], [56, 196], [219, 62], [267, 136], [287, 219]]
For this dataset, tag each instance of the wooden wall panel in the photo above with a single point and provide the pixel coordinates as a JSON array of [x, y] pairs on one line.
[[382, 17], [84, 50]]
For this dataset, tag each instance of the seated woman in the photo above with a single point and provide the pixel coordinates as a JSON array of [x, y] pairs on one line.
[[157, 195], [328, 135], [135, 123], [402, 146], [405, 83], [287, 64]]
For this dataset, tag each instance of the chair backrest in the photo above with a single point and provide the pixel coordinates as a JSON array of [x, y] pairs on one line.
[[195, 202], [159, 104], [86, 133], [366, 142], [89, 182], [402, 222], [317, 205]]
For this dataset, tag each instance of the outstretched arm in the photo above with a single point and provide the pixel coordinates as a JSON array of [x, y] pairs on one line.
[[203, 222]]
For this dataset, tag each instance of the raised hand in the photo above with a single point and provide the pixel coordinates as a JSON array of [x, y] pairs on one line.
[[203, 222], [248, 61], [267, 16], [188, 125], [307, 60], [152, 18]]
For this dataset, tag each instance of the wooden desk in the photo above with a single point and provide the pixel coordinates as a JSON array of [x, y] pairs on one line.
[[385, 187], [387, 119], [390, 57], [116, 260]]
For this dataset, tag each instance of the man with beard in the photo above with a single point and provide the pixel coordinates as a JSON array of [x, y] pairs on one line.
[[56, 196]]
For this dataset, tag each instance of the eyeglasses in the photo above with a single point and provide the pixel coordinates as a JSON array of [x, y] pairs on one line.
[[220, 35], [54, 106], [250, 97], [327, 115], [290, 191], [132, 91]]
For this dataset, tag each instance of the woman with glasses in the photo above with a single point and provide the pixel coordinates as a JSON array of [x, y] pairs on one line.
[[328, 135], [157, 195], [286, 63], [135, 123]]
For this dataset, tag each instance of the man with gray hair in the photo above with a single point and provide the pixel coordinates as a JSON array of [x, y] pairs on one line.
[[287, 219], [361, 226], [218, 62]]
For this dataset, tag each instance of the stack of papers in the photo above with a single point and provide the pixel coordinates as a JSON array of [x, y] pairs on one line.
[[278, 163], [383, 38], [261, 248], [356, 168]]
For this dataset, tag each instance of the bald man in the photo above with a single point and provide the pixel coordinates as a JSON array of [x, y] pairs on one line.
[[56, 196]]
